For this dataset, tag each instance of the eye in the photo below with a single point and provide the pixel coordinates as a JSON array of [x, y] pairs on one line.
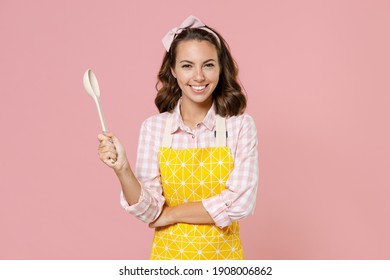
[[186, 66], [209, 65]]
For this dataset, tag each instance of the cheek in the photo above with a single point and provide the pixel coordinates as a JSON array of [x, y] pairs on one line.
[[182, 81], [183, 77], [214, 77], [216, 74]]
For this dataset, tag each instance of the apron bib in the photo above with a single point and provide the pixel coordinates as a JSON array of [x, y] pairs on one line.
[[190, 175]]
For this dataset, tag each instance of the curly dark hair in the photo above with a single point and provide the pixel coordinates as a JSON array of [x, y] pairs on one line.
[[228, 96]]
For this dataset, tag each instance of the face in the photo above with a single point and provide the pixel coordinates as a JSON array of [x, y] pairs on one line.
[[196, 71]]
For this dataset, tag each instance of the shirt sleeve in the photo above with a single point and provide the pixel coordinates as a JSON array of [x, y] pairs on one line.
[[147, 171], [238, 199]]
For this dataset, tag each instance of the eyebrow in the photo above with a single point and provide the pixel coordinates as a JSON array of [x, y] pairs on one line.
[[190, 62]]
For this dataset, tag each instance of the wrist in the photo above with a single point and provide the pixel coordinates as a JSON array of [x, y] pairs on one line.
[[122, 169], [172, 215]]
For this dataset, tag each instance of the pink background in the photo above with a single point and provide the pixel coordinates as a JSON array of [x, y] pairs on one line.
[[317, 78]]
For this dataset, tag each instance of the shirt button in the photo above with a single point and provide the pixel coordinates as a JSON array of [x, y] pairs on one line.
[[193, 136]]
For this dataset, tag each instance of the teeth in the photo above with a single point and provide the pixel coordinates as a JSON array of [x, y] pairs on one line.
[[198, 87]]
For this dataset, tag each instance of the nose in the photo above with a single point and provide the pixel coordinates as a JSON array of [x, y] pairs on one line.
[[199, 75]]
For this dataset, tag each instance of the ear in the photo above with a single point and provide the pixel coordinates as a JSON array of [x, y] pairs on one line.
[[173, 73]]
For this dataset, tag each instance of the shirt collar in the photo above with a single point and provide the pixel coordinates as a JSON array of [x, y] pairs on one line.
[[208, 121]]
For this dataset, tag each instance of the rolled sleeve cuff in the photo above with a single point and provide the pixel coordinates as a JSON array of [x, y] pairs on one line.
[[217, 209], [141, 209]]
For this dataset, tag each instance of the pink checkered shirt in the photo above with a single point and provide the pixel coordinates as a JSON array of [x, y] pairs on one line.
[[234, 203]]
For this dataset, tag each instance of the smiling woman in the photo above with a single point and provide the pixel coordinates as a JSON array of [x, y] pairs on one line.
[[197, 164]]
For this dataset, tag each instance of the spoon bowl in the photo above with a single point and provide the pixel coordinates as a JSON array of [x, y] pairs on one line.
[[91, 86]]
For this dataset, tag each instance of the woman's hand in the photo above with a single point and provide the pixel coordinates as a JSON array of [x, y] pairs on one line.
[[165, 218], [112, 153]]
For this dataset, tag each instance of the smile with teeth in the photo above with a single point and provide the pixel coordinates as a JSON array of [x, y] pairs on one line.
[[198, 87]]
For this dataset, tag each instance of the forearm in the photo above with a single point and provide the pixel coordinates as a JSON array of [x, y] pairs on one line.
[[131, 187], [191, 213]]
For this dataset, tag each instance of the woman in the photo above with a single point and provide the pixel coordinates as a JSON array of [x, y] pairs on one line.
[[197, 167]]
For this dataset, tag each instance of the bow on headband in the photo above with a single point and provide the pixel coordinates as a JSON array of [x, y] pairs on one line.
[[191, 22]]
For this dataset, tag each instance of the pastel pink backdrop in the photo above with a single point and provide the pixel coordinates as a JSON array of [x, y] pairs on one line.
[[317, 78]]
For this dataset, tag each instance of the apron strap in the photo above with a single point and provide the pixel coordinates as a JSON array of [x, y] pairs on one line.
[[220, 131], [167, 140]]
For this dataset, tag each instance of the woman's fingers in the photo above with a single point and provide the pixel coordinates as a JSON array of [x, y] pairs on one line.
[[102, 137], [111, 151], [108, 156], [107, 150], [109, 162], [105, 136], [106, 145]]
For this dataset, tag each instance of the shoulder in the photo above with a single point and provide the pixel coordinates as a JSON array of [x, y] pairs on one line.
[[152, 130], [155, 122], [241, 130], [243, 120]]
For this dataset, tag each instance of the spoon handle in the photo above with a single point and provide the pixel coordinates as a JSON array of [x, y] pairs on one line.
[[100, 114]]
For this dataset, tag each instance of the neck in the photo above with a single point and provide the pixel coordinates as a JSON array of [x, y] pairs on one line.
[[193, 114]]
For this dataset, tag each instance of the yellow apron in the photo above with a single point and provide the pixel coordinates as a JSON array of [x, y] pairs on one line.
[[192, 175]]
